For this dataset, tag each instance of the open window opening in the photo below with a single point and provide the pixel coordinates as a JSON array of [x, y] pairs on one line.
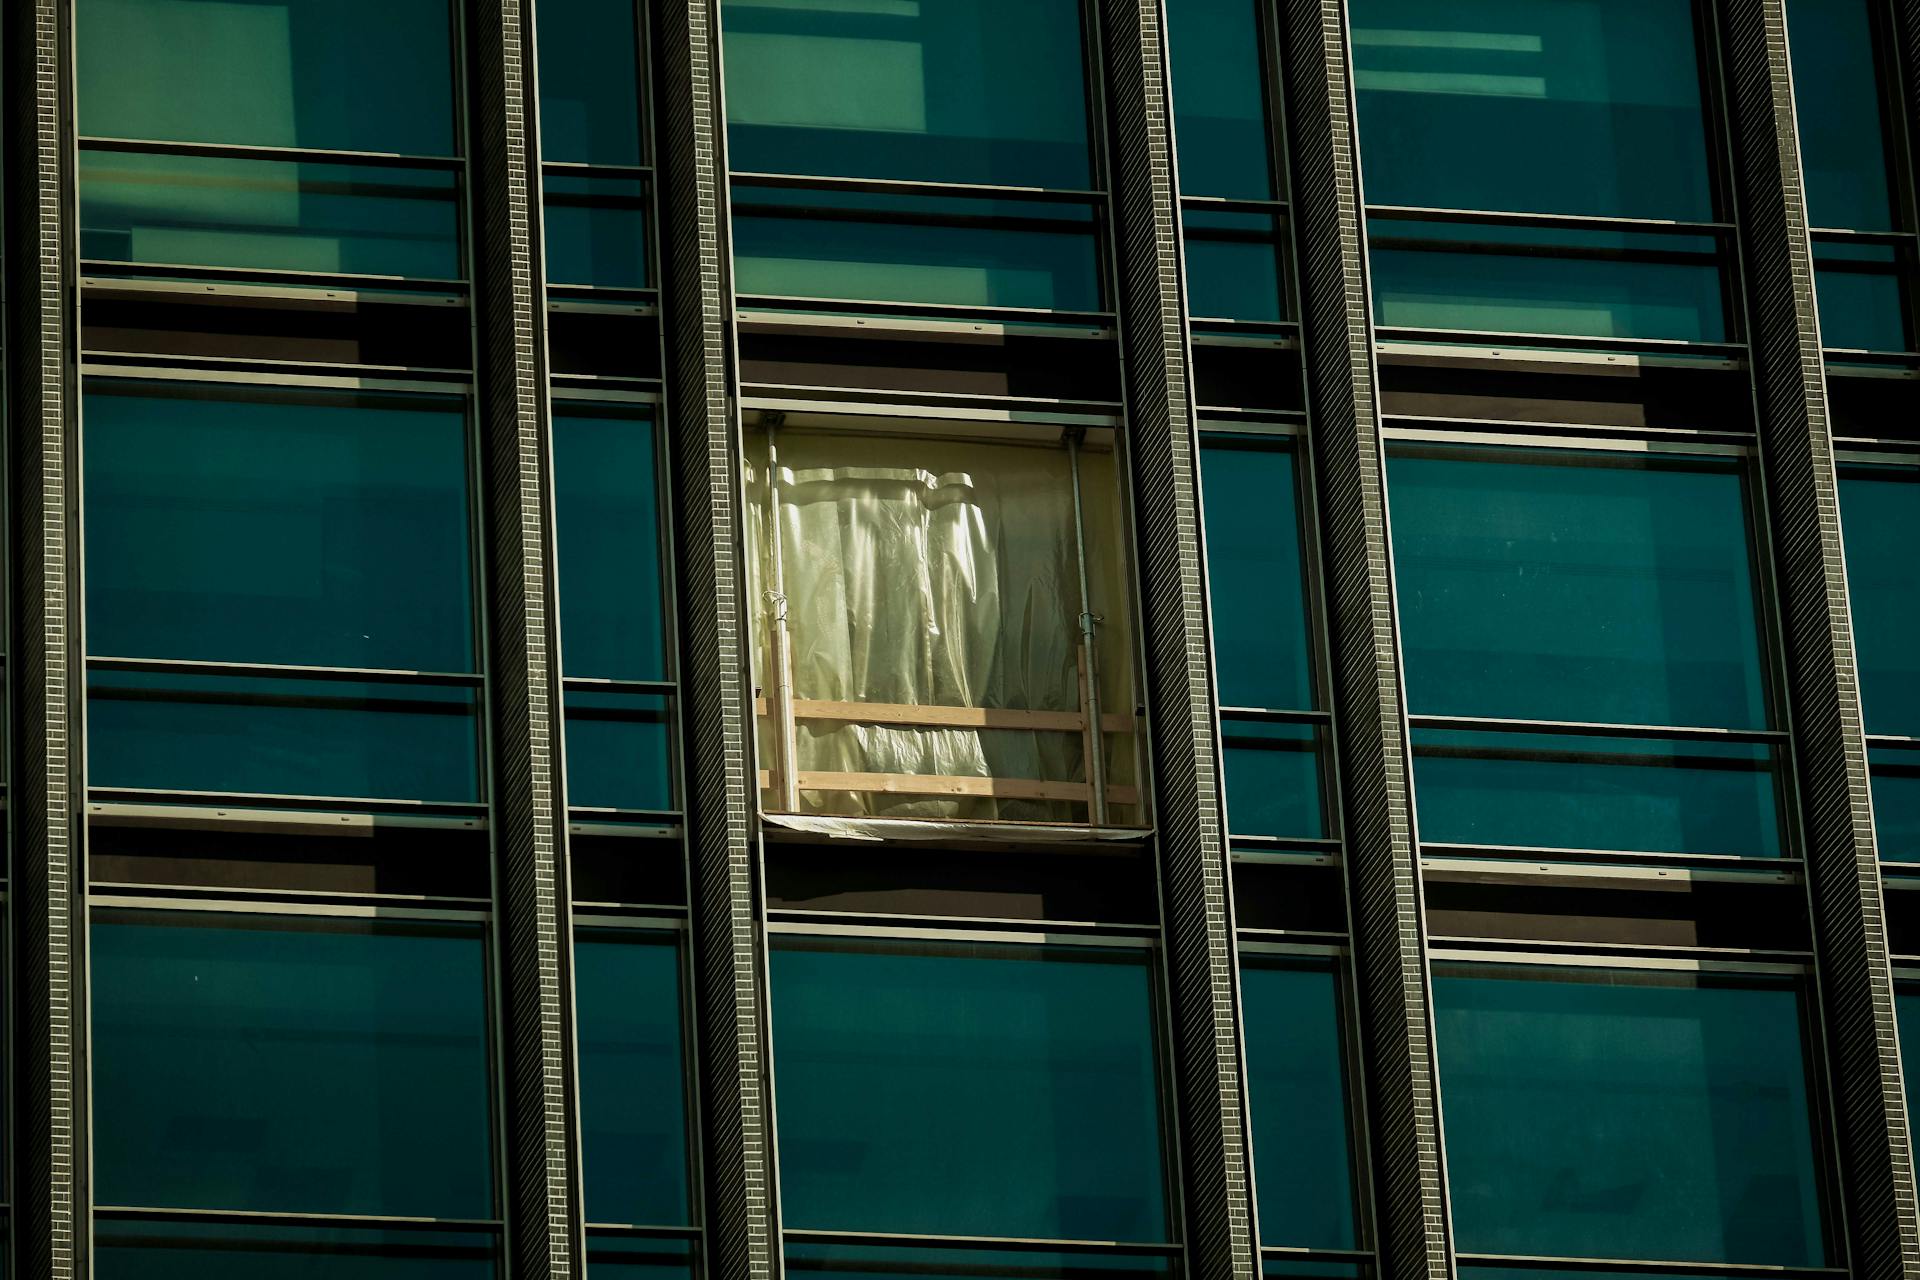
[[942, 626]]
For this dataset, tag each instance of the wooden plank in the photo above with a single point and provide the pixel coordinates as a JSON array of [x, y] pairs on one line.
[[935, 784], [939, 717]]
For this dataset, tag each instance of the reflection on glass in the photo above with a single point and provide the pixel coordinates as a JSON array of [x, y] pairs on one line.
[[1861, 296], [967, 1089], [345, 75], [1220, 105], [606, 507], [1273, 778], [1603, 1113], [1297, 1104], [1590, 284], [157, 1250], [596, 231], [204, 211], [936, 250], [1880, 520], [1596, 106], [618, 751], [290, 1064], [1837, 107], [1233, 265], [633, 1120], [1256, 572], [979, 91], [1644, 795], [1564, 585], [589, 82], [316, 528]]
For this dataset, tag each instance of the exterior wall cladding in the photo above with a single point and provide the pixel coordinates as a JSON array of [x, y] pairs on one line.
[[706, 638]]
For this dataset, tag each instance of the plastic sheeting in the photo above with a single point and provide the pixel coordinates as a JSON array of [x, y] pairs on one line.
[[935, 572]]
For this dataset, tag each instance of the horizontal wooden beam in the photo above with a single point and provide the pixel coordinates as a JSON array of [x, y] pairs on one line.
[[944, 784], [917, 716]]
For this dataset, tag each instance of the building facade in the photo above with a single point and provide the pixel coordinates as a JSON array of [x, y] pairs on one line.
[[980, 638]]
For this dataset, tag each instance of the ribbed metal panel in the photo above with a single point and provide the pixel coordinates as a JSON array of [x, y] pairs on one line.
[[1389, 944], [1881, 1226], [541, 1127]]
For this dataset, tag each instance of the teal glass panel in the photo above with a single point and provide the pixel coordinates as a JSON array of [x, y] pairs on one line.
[[907, 1262], [1545, 584], [1273, 778], [618, 751], [238, 524], [953, 251], [290, 1064], [606, 508], [1862, 300], [343, 75], [1880, 520], [1837, 105], [1592, 284], [589, 82], [983, 91], [1233, 266], [1219, 99], [244, 735], [1639, 795], [633, 1118], [1906, 1010], [205, 211], [1613, 1113], [1256, 573], [614, 1258], [596, 231], [967, 1089], [158, 1250], [1578, 106], [1297, 1104], [1896, 804]]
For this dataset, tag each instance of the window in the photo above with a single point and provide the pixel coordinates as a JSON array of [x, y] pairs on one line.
[[280, 1065], [1593, 218], [231, 137], [1862, 250], [1906, 1010], [1880, 518], [613, 610], [1270, 727], [1654, 1115], [939, 625], [931, 153], [967, 1088], [279, 592], [1582, 649]]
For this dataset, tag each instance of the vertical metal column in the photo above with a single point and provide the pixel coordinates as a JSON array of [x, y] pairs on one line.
[[1162, 452], [48, 1074], [545, 1225], [1882, 1227], [702, 377], [1389, 936]]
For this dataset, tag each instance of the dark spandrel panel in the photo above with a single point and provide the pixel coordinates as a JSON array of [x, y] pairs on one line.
[[158, 1250], [251, 736], [633, 1119], [1599, 284], [218, 212], [596, 231], [1256, 573], [1880, 520], [1837, 106], [346, 75], [1623, 794], [982, 91], [619, 754], [1233, 266], [607, 512], [1613, 1113], [290, 1065], [1574, 585], [1595, 106], [613, 1258], [967, 1089], [1297, 1104], [952, 251], [248, 525], [589, 81], [1896, 803], [1862, 297], [1273, 778], [1220, 104], [901, 1262]]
